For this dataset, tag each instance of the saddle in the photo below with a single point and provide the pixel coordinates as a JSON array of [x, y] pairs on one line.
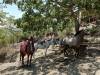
[[71, 41]]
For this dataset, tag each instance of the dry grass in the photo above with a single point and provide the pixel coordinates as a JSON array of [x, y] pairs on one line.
[[6, 52]]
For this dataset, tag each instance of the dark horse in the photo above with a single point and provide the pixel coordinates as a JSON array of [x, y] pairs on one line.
[[27, 48], [73, 45]]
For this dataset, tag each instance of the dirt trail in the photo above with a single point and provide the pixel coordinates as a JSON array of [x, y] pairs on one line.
[[55, 64]]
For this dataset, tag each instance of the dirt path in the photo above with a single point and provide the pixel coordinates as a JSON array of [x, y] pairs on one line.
[[55, 64]]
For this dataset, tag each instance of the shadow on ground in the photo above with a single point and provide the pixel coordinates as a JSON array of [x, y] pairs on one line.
[[56, 64]]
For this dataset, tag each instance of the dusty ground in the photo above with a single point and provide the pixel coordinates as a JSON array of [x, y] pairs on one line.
[[55, 64]]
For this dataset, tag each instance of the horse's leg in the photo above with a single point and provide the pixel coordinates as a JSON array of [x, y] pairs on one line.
[[46, 51], [47, 46], [77, 52], [27, 59], [22, 59], [66, 50], [30, 58], [20, 56]]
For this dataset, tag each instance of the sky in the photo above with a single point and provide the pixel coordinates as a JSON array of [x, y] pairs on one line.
[[12, 10]]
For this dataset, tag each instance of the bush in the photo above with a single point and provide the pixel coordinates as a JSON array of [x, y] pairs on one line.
[[93, 31], [7, 37]]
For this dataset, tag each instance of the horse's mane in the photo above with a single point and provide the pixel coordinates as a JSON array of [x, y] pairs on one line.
[[78, 32]]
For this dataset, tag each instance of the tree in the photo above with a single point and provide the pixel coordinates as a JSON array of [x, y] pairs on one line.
[[2, 16], [55, 13], [11, 20]]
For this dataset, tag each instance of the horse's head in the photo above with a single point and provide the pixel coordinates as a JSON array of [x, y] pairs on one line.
[[30, 38], [23, 39], [81, 33]]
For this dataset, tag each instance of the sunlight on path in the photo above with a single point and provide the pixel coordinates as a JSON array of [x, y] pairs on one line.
[[54, 64]]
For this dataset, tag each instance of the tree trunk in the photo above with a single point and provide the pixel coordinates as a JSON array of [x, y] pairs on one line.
[[78, 22], [77, 25]]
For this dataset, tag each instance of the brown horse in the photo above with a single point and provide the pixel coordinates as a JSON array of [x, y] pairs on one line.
[[27, 48]]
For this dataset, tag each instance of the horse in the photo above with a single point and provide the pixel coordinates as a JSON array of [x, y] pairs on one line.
[[27, 48], [73, 44], [47, 41]]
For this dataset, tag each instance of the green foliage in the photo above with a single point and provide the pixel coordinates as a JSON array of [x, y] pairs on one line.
[[2, 16], [3, 38], [8, 37], [7, 34], [40, 15], [94, 31]]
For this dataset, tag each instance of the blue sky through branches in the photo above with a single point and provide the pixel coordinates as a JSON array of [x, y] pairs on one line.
[[11, 10]]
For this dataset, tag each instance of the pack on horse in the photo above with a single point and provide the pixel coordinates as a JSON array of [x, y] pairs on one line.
[[27, 48], [72, 46]]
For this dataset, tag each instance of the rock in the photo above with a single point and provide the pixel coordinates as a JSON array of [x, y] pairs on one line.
[[53, 72], [97, 72], [97, 59], [83, 74]]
